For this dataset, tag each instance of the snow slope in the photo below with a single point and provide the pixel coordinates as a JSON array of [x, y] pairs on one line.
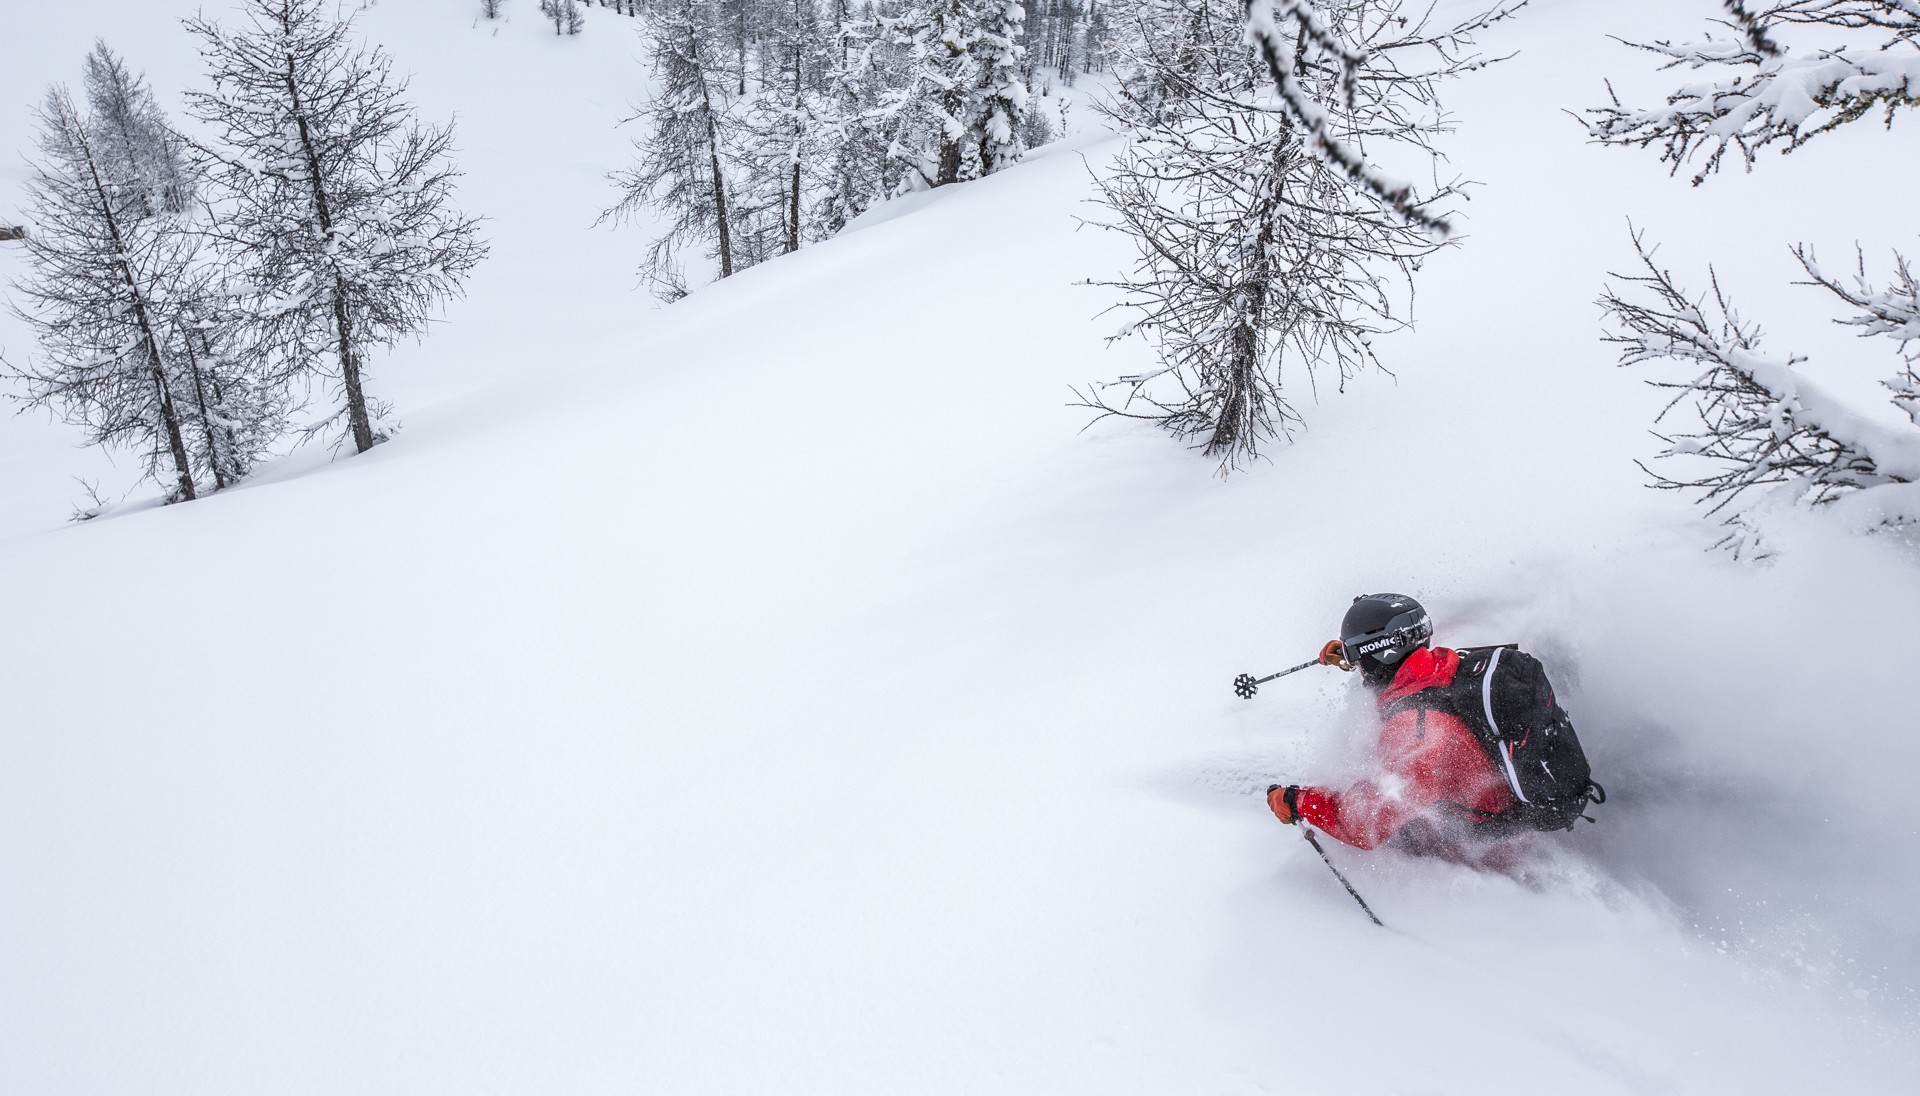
[[778, 692]]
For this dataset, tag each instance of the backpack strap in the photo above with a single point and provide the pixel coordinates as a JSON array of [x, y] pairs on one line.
[[1500, 736], [1503, 746]]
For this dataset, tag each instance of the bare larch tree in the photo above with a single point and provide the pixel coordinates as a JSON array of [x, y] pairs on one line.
[[566, 15], [133, 314], [1267, 242], [105, 282], [678, 164], [336, 202], [238, 419]]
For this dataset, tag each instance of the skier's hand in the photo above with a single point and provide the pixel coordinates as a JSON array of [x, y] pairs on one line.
[[1280, 800], [1335, 654]]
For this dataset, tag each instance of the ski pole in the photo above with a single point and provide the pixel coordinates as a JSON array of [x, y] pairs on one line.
[[1245, 685], [1315, 842]]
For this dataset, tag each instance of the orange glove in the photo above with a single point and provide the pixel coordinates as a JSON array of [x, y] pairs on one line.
[[1335, 654], [1280, 800]]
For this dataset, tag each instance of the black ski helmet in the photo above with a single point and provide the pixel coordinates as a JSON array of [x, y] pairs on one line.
[[1381, 629]]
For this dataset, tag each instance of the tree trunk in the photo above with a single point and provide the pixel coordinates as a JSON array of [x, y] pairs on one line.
[[721, 213], [950, 160], [357, 416], [952, 150], [156, 362], [220, 482], [1234, 424], [952, 101], [342, 321], [231, 452], [793, 182], [1234, 421], [720, 204], [1233, 416], [740, 27], [1086, 55], [793, 209], [183, 468]]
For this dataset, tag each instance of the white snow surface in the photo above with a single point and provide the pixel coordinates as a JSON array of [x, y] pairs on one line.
[[780, 692]]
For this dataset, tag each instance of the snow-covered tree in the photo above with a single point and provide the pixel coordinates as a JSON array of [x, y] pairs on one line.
[[779, 141], [1267, 241], [238, 415], [109, 280], [491, 8], [1001, 105], [1064, 37], [775, 123], [929, 101], [679, 166], [738, 24], [857, 169], [143, 153], [243, 409], [1767, 93], [135, 325], [565, 14], [953, 95], [336, 201], [1762, 422]]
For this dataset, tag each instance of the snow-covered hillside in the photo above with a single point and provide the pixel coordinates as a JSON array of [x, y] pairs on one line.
[[780, 692]]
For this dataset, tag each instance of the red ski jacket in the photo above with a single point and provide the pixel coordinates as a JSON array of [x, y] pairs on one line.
[[1429, 759]]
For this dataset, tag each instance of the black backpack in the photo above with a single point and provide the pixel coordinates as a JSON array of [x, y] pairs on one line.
[[1504, 695]]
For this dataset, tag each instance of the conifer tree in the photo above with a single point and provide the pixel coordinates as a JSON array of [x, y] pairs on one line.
[[1002, 104], [336, 202], [954, 101], [929, 101], [738, 27]]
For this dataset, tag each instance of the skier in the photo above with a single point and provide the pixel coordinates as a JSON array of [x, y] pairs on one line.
[[1447, 785]]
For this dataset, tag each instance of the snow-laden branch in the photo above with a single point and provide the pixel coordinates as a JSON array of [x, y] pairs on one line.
[[1286, 60], [1773, 95], [1763, 423], [1893, 312]]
